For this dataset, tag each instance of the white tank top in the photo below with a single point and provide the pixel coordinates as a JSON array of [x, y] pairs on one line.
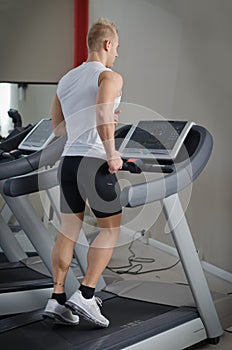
[[77, 92]]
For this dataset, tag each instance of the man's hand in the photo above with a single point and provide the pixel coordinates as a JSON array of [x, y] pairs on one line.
[[116, 116], [115, 163]]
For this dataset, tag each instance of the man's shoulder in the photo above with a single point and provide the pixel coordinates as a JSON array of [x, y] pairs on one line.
[[111, 75]]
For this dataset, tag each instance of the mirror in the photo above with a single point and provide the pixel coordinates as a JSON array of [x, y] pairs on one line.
[[32, 101]]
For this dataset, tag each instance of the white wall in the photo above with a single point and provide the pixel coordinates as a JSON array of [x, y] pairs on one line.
[[149, 50], [37, 40], [37, 45], [175, 57]]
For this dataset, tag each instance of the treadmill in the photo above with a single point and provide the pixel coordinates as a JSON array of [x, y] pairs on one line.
[[135, 323], [25, 282], [13, 252]]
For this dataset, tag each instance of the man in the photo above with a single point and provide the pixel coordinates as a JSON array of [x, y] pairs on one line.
[[87, 171]]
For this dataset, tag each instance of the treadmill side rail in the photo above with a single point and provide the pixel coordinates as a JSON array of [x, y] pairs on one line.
[[179, 337]]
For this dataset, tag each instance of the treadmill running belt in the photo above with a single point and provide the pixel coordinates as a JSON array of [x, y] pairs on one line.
[[124, 314], [22, 278]]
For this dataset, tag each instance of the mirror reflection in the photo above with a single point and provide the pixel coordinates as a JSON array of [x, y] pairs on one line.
[[23, 104]]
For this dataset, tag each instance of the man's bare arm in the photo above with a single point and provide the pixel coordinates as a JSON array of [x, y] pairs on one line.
[[58, 122], [110, 86]]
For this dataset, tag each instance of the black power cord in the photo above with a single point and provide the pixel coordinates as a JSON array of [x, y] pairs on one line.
[[129, 269]]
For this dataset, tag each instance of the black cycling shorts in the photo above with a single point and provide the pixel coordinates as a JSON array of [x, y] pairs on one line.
[[83, 178]]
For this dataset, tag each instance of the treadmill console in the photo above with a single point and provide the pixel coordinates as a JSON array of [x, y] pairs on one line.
[[158, 139], [39, 137]]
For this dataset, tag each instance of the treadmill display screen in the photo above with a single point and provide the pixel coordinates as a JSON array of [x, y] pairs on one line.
[[156, 136], [39, 137], [159, 138]]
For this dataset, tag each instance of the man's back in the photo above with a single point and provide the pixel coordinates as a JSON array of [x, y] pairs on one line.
[[77, 90]]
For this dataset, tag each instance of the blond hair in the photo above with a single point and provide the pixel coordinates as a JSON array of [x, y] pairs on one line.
[[103, 29]]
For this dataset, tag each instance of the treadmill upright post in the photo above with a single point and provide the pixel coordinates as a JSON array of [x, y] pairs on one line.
[[11, 248], [9, 244], [38, 235], [191, 264]]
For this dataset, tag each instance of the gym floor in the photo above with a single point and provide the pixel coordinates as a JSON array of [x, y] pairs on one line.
[[175, 274]]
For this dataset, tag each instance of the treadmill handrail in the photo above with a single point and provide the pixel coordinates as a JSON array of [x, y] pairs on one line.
[[184, 173], [34, 161], [31, 183], [12, 142]]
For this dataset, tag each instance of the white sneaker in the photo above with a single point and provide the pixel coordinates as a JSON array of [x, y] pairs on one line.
[[60, 313], [88, 308]]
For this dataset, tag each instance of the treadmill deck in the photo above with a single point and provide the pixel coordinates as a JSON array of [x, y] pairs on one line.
[[131, 321]]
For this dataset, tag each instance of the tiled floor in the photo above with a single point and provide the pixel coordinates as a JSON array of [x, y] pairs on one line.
[[175, 274]]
